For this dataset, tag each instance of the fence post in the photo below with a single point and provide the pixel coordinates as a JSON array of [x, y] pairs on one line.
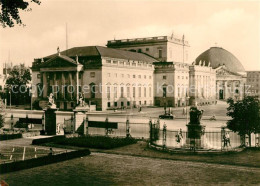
[[127, 128], [151, 130], [222, 137], [43, 122], [12, 121], [86, 125], [164, 135], [106, 124], [72, 124]]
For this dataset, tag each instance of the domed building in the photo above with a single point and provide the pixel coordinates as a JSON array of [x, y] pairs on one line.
[[230, 73]]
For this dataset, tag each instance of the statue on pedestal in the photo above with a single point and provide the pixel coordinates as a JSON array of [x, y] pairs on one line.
[[51, 103], [195, 115]]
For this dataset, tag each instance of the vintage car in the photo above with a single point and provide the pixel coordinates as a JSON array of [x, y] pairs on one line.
[[166, 116]]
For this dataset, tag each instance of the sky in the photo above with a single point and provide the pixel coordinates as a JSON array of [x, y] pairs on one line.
[[233, 25]]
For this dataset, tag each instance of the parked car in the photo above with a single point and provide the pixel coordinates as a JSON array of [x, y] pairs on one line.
[[166, 116]]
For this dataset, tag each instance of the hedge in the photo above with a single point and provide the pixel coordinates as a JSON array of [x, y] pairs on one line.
[[10, 136], [46, 140], [99, 142], [19, 165]]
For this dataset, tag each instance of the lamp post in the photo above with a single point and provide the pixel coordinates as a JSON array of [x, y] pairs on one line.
[[187, 99], [10, 98]]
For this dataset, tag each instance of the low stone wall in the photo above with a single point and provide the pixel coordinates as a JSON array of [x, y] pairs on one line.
[[31, 134], [26, 164]]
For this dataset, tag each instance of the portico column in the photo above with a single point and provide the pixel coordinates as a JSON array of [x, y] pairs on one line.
[[225, 89], [63, 84], [77, 86], [45, 86]]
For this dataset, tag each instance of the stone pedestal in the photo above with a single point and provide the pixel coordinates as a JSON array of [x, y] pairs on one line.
[[50, 121], [195, 131], [80, 115]]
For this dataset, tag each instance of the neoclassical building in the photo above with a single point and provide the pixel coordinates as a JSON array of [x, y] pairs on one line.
[[105, 77], [138, 72], [230, 73]]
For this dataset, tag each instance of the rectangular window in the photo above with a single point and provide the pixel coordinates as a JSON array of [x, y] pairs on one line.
[[160, 53], [150, 91], [122, 103], [128, 92], [133, 76], [164, 91], [144, 91], [115, 104], [122, 92], [140, 91], [108, 92], [115, 92], [133, 92], [108, 104], [144, 102], [147, 49], [150, 77], [122, 75], [144, 76], [93, 91], [164, 77], [92, 74], [128, 75], [108, 61], [128, 103], [114, 62], [139, 76], [116, 74]]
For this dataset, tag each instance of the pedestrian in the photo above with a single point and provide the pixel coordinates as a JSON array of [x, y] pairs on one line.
[[51, 152], [227, 139]]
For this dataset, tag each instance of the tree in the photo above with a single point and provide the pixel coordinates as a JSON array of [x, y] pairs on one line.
[[10, 10], [245, 116], [17, 84]]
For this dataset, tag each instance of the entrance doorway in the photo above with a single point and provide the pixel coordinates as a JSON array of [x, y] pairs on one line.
[[221, 94]]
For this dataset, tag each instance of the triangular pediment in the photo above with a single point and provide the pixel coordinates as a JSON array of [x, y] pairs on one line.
[[223, 71], [59, 61]]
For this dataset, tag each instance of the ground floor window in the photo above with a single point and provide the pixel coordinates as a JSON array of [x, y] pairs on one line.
[[128, 103], [122, 103], [144, 102], [115, 104], [108, 104], [140, 102]]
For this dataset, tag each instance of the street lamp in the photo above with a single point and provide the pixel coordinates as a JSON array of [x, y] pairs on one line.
[[10, 98], [187, 99]]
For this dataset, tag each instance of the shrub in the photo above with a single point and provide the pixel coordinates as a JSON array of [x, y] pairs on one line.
[[36, 105], [21, 125], [1, 120]]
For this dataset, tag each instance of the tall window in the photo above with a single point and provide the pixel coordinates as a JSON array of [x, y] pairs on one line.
[[115, 92], [134, 92], [122, 92], [144, 91], [128, 92], [140, 91], [92, 90], [160, 53], [150, 91], [164, 91], [108, 92]]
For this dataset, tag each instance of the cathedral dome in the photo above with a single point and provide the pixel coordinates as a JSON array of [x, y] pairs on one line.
[[217, 57]]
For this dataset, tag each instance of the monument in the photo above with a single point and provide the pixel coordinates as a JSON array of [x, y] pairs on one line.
[[80, 112], [50, 116], [194, 128]]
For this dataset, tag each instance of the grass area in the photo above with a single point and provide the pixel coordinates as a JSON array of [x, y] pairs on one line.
[[248, 157], [97, 142]]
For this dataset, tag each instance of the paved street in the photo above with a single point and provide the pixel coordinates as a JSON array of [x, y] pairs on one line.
[[111, 169]]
